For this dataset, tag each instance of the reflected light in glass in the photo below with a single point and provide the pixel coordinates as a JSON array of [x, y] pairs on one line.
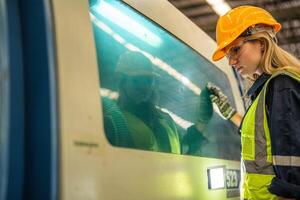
[[179, 121], [186, 80], [124, 21], [109, 93]]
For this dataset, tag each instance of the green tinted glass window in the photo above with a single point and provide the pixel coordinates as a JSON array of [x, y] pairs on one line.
[[153, 88]]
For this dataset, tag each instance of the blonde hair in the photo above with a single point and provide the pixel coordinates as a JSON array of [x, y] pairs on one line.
[[274, 58]]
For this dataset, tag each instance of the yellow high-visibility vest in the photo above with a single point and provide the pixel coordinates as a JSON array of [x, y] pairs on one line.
[[130, 131], [257, 159], [144, 137]]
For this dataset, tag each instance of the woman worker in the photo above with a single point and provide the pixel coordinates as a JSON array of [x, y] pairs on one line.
[[270, 129]]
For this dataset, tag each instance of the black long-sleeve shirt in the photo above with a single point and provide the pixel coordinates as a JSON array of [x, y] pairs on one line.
[[283, 113]]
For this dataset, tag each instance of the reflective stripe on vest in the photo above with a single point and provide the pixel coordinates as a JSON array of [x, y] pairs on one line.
[[256, 148], [293, 161]]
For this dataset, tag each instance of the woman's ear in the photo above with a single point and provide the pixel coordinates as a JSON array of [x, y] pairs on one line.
[[262, 46]]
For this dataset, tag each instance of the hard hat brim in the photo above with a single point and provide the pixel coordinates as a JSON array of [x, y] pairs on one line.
[[218, 55]]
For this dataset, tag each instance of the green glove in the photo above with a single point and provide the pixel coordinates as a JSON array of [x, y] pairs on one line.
[[221, 100], [205, 110], [205, 107]]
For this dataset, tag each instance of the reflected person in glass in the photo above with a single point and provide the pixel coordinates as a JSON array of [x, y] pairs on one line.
[[136, 121]]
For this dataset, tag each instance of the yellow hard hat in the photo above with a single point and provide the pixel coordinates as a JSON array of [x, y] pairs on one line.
[[231, 25]]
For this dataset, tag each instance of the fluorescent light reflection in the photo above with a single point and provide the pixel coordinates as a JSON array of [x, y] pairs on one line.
[[178, 120], [124, 21], [109, 93], [219, 6]]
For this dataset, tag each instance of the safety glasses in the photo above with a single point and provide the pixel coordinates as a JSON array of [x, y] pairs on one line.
[[234, 49]]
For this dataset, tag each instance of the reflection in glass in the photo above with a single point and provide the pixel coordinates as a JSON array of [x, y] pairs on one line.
[[111, 12], [154, 96]]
